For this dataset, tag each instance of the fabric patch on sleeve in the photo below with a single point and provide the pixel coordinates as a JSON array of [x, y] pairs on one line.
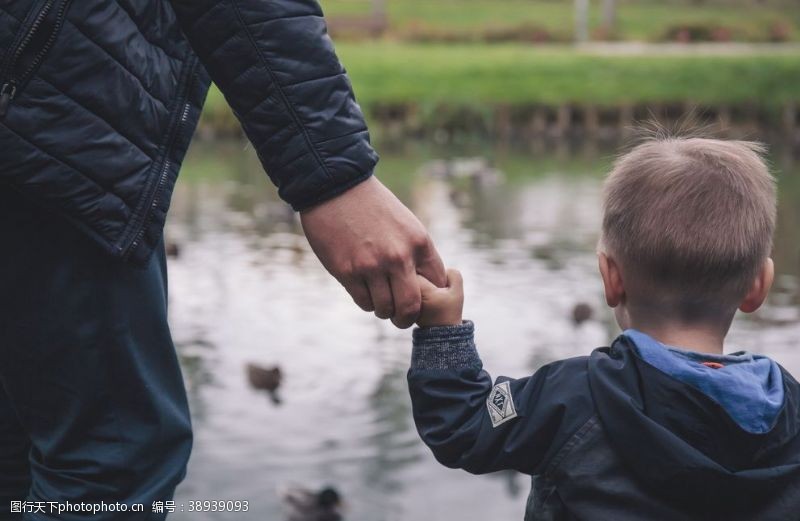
[[501, 404]]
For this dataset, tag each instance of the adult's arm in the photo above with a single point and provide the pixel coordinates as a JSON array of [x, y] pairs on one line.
[[276, 66], [275, 63]]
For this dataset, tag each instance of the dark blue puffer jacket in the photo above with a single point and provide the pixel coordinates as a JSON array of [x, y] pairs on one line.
[[608, 437], [99, 99]]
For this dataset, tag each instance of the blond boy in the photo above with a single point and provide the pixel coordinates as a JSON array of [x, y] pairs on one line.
[[661, 425]]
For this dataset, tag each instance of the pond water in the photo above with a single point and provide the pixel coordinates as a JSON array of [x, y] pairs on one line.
[[246, 288]]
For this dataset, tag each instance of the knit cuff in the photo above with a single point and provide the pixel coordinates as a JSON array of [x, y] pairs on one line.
[[445, 347]]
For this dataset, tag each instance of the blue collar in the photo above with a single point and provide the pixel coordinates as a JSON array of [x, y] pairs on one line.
[[749, 387]]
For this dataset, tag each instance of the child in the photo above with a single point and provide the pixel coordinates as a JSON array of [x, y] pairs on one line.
[[661, 425]]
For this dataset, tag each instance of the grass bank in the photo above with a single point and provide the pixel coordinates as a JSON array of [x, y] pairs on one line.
[[475, 76], [646, 20], [518, 74]]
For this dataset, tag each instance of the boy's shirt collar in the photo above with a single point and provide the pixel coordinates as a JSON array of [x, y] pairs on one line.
[[749, 387]]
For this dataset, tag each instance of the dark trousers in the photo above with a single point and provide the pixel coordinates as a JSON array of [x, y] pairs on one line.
[[92, 404]]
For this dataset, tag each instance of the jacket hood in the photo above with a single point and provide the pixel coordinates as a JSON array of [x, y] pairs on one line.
[[684, 444], [749, 387]]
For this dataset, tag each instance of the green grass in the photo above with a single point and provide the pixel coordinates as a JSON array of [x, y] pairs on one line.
[[637, 19], [522, 75], [480, 75]]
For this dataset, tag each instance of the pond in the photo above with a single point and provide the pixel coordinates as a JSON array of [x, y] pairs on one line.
[[247, 289]]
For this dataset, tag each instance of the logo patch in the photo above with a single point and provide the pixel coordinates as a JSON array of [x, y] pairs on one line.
[[500, 404]]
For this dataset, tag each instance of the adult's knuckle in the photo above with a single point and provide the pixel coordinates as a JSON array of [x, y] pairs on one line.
[[421, 241], [347, 272], [366, 266], [396, 258]]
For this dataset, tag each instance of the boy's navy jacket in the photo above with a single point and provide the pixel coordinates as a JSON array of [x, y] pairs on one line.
[[605, 437], [99, 99]]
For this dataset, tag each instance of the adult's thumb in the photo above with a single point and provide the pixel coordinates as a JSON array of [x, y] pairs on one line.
[[430, 266], [455, 280], [425, 285]]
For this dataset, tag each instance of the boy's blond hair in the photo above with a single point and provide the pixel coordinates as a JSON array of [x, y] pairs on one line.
[[690, 221]]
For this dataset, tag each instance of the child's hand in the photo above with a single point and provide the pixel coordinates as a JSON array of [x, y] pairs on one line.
[[442, 306]]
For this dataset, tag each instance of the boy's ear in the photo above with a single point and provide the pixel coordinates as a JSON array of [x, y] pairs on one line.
[[612, 280], [759, 289]]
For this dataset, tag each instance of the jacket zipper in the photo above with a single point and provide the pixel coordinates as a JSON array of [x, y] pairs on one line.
[[161, 178], [165, 168], [12, 81]]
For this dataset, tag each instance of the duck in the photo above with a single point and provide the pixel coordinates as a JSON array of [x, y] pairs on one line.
[[172, 249], [265, 379], [581, 313], [476, 169], [307, 505]]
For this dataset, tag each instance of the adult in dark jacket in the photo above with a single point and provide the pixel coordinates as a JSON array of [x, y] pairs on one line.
[[98, 102]]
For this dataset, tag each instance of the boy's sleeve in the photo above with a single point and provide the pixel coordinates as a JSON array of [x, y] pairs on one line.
[[470, 423]]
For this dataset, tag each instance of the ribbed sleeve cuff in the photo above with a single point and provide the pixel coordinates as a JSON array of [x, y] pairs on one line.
[[445, 347]]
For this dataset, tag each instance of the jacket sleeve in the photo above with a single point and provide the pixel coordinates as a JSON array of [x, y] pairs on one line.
[[470, 423], [275, 63]]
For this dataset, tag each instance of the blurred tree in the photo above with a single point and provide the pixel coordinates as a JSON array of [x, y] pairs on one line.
[[581, 20], [609, 15], [379, 8]]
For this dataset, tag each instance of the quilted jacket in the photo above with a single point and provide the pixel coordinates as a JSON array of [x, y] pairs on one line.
[[606, 437], [99, 99]]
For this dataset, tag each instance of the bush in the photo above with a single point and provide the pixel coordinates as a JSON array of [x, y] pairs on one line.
[[780, 32], [524, 33], [419, 32], [692, 33], [605, 34]]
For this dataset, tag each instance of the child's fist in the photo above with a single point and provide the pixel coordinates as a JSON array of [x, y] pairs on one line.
[[442, 306]]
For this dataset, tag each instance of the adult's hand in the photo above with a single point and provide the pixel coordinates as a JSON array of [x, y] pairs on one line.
[[375, 247]]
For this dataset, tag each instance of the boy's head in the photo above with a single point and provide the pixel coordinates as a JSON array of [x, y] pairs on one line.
[[687, 232]]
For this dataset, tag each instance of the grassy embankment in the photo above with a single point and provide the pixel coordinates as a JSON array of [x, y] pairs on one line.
[[480, 77], [645, 20]]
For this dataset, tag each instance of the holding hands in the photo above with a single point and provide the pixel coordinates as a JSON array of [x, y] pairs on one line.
[[442, 306], [375, 247]]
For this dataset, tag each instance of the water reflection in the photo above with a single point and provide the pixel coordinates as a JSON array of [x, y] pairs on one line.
[[246, 289]]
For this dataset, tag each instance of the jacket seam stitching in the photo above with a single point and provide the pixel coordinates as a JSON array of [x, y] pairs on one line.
[[240, 74], [568, 447], [119, 64], [264, 144], [41, 78], [328, 140], [199, 18], [287, 104], [288, 162], [221, 45], [144, 36], [267, 97], [65, 163], [312, 80], [289, 17]]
